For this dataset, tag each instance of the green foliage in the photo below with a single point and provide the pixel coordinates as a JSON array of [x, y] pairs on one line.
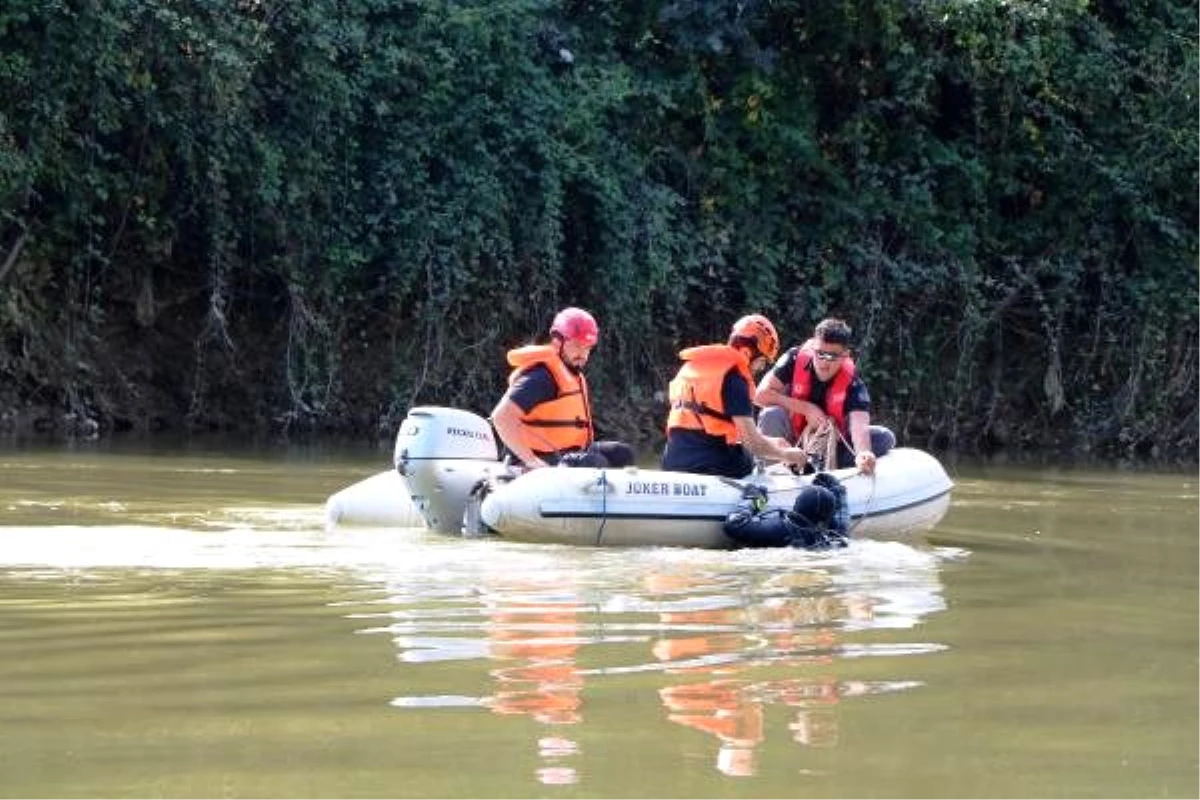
[[290, 216]]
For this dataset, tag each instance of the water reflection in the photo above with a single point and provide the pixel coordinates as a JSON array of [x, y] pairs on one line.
[[720, 645], [790, 630], [543, 637]]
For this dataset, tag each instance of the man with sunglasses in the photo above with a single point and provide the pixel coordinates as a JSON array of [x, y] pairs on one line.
[[818, 380], [545, 417]]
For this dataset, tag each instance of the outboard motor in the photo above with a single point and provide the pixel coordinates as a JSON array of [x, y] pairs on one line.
[[442, 455]]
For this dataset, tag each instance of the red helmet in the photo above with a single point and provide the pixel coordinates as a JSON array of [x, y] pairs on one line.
[[760, 329], [576, 325]]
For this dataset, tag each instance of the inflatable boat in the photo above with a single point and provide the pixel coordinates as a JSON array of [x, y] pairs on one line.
[[449, 475]]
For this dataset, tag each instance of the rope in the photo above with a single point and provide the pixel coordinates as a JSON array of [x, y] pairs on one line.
[[866, 505], [819, 443], [602, 482]]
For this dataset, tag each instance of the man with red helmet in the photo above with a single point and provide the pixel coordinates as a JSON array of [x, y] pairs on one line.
[[817, 381], [710, 426], [545, 416]]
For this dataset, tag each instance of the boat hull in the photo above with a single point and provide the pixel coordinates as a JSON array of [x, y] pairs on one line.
[[381, 500], [449, 478], [910, 492]]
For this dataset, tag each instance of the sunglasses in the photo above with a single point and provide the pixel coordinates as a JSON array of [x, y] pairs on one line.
[[825, 355]]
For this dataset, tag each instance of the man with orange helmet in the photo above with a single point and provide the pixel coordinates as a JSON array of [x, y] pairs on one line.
[[545, 416], [816, 381], [710, 426]]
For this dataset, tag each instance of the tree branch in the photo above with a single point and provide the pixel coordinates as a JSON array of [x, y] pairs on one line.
[[13, 254]]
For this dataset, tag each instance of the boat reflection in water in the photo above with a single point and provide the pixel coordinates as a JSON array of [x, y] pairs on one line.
[[728, 642], [798, 631], [548, 685], [729, 708]]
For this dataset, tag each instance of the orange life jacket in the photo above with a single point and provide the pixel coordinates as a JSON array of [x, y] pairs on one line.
[[560, 425], [695, 393], [835, 395]]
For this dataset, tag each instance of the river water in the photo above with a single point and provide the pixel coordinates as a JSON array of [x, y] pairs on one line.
[[182, 625]]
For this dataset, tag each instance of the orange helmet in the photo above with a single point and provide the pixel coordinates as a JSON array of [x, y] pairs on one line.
[[576, 325], [760, 329]]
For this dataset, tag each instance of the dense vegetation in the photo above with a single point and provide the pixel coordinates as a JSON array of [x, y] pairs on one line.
[[271, 216]]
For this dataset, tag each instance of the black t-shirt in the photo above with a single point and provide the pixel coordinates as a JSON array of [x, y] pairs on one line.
[[533, 387], [690, 450], [857, 396]]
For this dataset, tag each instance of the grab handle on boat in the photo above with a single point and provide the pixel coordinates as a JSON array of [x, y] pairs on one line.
[[598, 485]]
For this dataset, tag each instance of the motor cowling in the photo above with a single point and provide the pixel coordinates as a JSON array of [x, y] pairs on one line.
[[442, 455], [438, 432]]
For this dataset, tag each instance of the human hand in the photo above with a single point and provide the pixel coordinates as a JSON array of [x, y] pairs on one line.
[[865, 461], [795, 455], [815, 418], [521, 467]]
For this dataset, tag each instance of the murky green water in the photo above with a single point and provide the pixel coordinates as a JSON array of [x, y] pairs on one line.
[[182, 626]]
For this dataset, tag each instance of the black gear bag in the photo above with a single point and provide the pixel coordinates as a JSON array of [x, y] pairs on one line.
[[818, 520]]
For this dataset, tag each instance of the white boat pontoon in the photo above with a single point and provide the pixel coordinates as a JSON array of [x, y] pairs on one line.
[[449, 477]]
